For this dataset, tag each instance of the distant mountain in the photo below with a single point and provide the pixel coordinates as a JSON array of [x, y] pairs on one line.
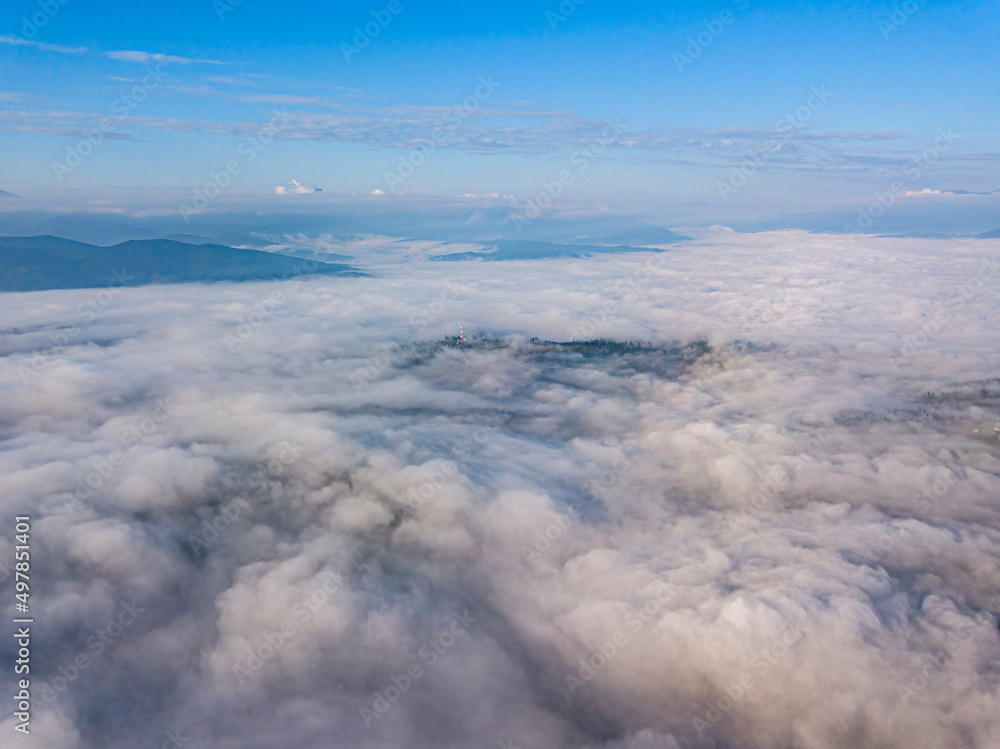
[[5, 194], [920, 235], [243, 241], [969, 192], [602, 230], [930, 215], [100, 229], [995, 234], [315, 255], [192, 239], [639, 234], [445, 222], [522, 249], [652, 236], [496, 224], [231, 239], [38, 263]]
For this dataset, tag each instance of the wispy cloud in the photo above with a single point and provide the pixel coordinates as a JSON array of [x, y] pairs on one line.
[[507, 129], [18, 41], [227, 80], [928, 192], [279, 100], [148, 57]]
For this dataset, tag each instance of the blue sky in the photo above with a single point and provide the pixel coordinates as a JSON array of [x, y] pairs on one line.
[[689, 114]]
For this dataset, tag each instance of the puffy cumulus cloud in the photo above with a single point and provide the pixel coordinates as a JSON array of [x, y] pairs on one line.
[[337, 532], [296, 188]]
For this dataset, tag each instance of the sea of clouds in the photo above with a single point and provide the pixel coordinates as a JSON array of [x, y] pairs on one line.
[[271, 515]]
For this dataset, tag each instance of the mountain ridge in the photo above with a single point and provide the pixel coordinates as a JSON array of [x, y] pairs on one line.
[[45, 262]]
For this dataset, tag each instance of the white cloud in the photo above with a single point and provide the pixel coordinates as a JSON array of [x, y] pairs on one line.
[[278, 99], [148, 57], [803, 479], [18, 41], [926, 192], [296, 188]]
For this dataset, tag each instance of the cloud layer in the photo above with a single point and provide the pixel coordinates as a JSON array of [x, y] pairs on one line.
[[291, 520]]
